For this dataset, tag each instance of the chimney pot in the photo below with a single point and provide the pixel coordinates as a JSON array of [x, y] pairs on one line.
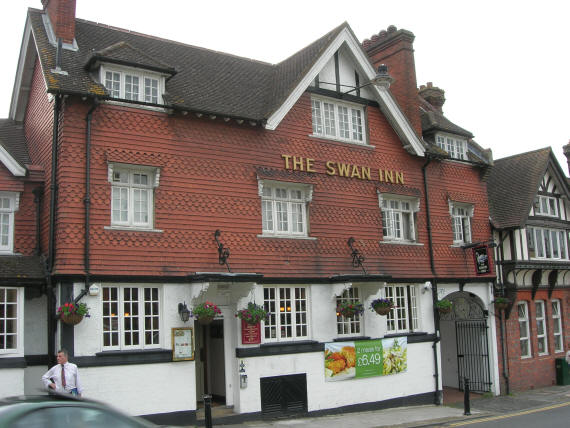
[[433, 95]]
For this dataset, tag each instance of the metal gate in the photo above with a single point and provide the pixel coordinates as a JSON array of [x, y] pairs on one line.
[[473, 355], [283, 395]]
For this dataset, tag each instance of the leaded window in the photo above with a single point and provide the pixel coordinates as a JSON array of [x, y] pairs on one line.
[[524, 329]]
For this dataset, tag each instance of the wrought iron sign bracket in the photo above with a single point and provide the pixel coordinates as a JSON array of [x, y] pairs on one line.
[[357, 257], [223, 252]]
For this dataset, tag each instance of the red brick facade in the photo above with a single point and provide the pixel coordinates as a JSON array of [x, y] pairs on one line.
[[537, 370]]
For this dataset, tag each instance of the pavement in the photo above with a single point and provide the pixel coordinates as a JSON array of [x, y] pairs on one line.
[[426, 415]]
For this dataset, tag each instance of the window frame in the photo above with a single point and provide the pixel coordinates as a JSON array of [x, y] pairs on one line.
[[291, 203], [349, 326], [538, 205], [456, 218], [546, 241], [453, 145], [142, 316], [389, 215], [141, 75], [525, 319], [275, 318], [321, 119], [132, 188], [8, 216], [556, 305], [541, 320], [18, 331], [408, 313]]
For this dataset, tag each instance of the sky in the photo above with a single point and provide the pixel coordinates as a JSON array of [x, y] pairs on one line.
[[504, 65]]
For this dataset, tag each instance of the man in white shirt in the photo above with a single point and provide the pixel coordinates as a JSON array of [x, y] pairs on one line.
[[64, 376]]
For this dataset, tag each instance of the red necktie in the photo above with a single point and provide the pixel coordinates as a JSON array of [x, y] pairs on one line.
[[63, 375]]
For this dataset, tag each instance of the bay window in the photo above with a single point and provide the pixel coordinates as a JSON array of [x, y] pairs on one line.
[[546, 243]]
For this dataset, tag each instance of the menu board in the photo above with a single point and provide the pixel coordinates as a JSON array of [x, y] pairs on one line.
[[182, 344], [250, 333], [365, 358]]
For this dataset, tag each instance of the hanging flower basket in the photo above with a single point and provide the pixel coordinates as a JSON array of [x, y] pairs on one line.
[[205, 312], [72, 313], [253, 314], [382, 306], [501, 303], [444, 306], [71, 319], [349, 309], [205, 320]]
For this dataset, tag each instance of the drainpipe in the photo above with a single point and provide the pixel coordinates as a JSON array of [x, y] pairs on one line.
[[438, 398], [38, 191], [502, 321], [87, 199], [51, 320]]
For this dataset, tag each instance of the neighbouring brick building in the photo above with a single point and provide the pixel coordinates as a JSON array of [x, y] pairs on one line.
[[530, 216], [175, 175]]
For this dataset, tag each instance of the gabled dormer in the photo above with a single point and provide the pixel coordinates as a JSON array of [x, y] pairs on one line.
[[128, 74]]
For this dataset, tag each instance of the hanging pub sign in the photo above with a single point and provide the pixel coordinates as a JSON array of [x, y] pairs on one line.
[[250, 333], [365, 358], [481, 259]]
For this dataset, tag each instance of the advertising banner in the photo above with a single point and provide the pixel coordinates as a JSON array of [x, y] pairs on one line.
[[365, 358]]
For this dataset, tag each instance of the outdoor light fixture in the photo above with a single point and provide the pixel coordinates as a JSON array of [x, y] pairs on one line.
[[223, 252], [184, 312], [357, 257], [382, 79], [242, 376]]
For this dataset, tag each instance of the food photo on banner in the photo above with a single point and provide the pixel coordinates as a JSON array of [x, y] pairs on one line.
[[365, 358]]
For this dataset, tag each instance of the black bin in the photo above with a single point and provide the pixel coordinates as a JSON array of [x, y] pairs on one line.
[[562, 372]]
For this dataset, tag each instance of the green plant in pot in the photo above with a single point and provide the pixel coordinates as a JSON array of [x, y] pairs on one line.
[[205, 312], [444, 306], [349, 309], [253, 314], [382, 306], [501, 302]]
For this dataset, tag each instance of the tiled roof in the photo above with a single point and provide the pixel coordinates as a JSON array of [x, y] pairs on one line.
[[12, 138], [434, 121], [205, 81], [22, 270], [512, 185]]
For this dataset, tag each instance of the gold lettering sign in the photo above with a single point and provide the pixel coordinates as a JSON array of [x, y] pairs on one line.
[[342, 169]]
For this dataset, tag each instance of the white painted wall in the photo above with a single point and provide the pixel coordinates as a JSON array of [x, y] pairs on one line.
[[11, 382], [33, 384], [325, 395], [35, 326]]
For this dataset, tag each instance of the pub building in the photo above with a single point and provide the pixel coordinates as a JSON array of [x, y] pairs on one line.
[[176, 177]]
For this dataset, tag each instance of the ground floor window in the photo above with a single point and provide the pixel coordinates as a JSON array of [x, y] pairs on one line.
[[522, 309], [288, 313], [131, 317], [404, 317], [352, 325], [557, 326], [8, 319], [541, 328]]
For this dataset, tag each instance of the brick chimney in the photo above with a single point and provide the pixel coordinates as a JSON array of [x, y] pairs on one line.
[[62, 16], [394, 48], [566, 150], [433, 95]]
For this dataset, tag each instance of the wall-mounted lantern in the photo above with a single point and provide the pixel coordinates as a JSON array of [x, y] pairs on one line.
[[184, 312]]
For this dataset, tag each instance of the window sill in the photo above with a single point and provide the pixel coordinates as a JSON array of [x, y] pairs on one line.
[[350, 338], [308, 238], [132, 229], [126, 357], [417, 244], [338, 140], [135, 104], [459, 244]]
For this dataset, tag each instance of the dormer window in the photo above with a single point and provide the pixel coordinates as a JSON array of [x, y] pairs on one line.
[[546, 205], [338, 120], [133, 85], [454, 146]]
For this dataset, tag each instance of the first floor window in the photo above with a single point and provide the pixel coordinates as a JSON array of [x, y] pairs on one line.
[[455, 147], [404, 317], [461, 215], [132, 196], [557, 326], [353, 325], [338, 120], [284, 208], [524, 328], [541, 328], [288, 313], [8, 319], [546, 205], [398, 218], [8, 205], [132, 84], [545, 243], [131, 317]]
